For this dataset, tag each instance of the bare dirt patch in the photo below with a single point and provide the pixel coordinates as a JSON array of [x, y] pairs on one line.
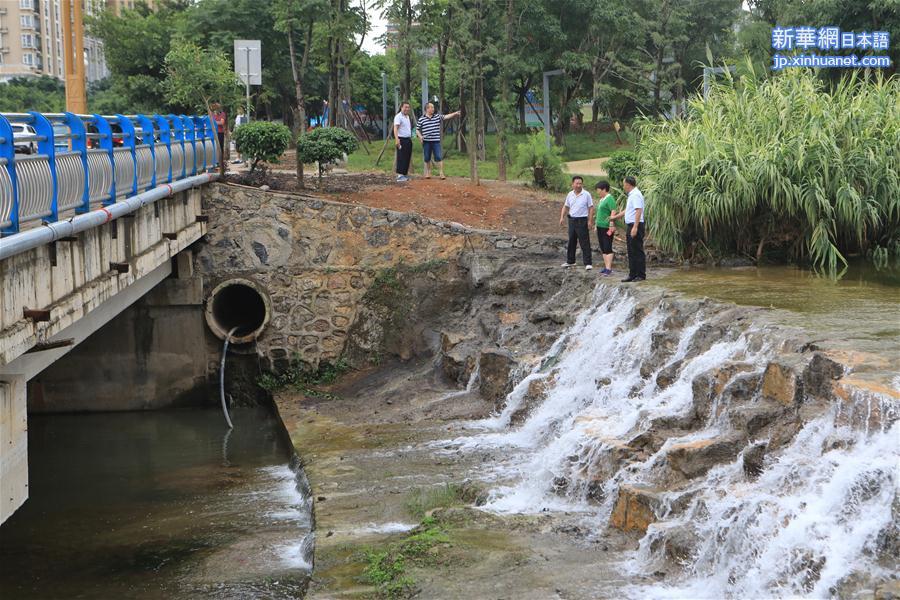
[[492, 205]]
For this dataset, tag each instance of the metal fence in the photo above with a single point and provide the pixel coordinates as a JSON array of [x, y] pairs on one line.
[[53, 166]]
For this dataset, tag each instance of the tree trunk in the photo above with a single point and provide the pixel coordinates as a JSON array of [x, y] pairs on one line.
[[461, 145], [442, 78], [476, 118], [406, 83], [299, 116], [520, 104], [504, 96]]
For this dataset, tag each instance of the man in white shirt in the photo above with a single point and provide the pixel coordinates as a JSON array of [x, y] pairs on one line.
[[634, 230], [579, 209], [403, 138]]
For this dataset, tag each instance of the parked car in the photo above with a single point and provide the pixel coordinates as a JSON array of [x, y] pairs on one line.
[[60, 144], [21, 130]]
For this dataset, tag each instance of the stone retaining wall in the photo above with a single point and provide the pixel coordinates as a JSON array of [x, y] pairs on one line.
[[317, 259]]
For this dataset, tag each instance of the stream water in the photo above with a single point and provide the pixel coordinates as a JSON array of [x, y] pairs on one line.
[[161, 504], [817, 516]]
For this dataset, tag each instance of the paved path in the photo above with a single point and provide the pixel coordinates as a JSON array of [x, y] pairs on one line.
[[591, 166]]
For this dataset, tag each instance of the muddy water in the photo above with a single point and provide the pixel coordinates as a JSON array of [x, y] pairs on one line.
[[158, 505], [858, 313]]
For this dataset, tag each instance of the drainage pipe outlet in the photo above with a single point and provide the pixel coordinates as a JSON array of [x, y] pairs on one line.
[[238, 304]]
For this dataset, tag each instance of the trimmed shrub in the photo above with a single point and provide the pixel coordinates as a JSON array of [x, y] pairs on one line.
[[324, 145], [262, 141], [543, 164], [620, 165]]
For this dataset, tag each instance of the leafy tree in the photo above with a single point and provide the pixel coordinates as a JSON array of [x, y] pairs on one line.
[[197, 77], [215, 24], [293, 17], [324, 145], [262, 141], [135, 46], [43, 94]]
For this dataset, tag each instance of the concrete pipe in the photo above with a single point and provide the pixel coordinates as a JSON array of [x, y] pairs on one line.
[[239, 303]]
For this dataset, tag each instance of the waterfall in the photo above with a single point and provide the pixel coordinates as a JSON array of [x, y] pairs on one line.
[[635, 385]]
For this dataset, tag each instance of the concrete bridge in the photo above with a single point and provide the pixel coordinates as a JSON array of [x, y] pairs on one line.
[[94, 212]]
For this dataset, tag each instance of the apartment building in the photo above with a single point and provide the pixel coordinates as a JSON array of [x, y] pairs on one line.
[[31, 41]]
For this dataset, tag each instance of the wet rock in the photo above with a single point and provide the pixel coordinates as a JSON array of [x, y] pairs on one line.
[[888, 590], [780, 384], [495, 368], [456, 365], [709, 385], [753, 460], [751, 419], [820, 374], [503, 287], [693, 459], [539, 316], [635, 508], [612, 456], [675, 544], [668, 374], [534, 396]]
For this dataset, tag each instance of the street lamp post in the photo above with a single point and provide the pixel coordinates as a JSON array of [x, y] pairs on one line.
[[547, 76]]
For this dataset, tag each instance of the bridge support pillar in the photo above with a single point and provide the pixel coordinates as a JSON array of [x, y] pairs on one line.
[[13, 446]]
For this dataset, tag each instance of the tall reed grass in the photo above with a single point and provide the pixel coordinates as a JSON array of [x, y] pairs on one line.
[[787, 165]]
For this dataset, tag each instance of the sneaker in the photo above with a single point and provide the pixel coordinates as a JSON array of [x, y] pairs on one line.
[[568, 265], [605, 271], [588, 267], [402, 178], [640, 278], [629, 279]]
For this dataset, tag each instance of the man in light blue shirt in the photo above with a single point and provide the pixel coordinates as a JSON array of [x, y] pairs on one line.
[[634, 230], [579, 209]]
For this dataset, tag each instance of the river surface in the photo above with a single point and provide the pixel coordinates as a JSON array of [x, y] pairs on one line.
[[859, 312], [158, 505]]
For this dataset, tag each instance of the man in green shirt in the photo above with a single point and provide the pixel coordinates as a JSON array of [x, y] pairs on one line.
[[606, 228]]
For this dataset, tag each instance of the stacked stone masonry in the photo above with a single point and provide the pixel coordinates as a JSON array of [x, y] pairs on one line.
[[317, 259]]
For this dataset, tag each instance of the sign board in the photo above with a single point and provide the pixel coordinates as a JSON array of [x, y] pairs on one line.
[[248, 61]]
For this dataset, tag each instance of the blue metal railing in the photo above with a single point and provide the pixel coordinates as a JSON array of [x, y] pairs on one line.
[[68, 164]]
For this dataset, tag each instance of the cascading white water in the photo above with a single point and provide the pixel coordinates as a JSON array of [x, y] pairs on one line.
[[805, 523], [809, 520]]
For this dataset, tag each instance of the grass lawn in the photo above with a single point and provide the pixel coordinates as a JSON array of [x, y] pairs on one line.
[[579, 146]]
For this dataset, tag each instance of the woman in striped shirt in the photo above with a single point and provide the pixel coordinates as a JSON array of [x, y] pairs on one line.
[[430, 128]]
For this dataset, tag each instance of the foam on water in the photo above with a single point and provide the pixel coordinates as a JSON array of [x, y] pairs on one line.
[[808, 521]]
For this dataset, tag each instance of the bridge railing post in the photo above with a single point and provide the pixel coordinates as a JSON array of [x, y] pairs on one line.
[[101, 162], [178, 152], [213, 140], [200, 135], [163, 155], [124, 159], [9, 197], [190, 148], [144, 153], [71, 164], [46, 147]]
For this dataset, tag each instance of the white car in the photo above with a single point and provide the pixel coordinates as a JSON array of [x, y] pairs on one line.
[[19, 131]]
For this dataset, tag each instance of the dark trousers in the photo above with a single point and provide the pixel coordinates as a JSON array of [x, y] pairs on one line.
[[404, 155], [579, 236], [637, 260]]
